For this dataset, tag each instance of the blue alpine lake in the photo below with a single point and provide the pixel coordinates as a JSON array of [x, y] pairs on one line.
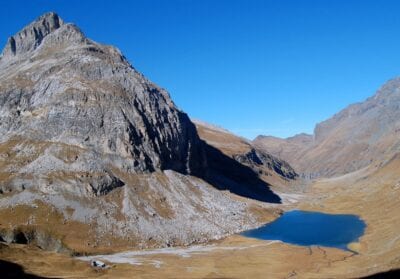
[[312, 228]]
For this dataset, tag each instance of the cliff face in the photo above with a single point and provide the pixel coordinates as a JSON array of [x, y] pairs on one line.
[[62, 89], [355, 137]]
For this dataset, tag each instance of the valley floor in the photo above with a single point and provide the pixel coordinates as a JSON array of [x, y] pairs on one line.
[[371, 193]]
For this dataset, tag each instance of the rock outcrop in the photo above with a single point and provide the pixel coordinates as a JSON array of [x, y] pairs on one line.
[[257, 159], [31, 36]]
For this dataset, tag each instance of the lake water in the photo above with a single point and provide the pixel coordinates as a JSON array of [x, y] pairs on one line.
[[312, 228]]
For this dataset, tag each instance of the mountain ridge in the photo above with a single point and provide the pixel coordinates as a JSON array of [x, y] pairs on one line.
[[353, 138]]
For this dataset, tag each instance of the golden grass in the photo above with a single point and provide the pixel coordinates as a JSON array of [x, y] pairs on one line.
[[369, 194], [228, 143]]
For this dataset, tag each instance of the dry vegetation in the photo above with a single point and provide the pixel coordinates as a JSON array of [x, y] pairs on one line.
[[369, 193], [225, 141]]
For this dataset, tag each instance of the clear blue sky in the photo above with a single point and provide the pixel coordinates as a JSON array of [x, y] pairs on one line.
[[253, 67]]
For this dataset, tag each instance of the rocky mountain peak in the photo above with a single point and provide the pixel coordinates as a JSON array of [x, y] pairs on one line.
[[59, 88], [390, 90], [30, 37]]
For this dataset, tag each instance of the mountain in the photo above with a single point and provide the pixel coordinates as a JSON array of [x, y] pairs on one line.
[[360, 135], [271, 169], [95, 157], [291, 149], [59, 87]]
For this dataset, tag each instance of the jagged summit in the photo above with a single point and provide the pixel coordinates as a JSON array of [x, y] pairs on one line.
[[30, 37], [83, 93], [61, 88]]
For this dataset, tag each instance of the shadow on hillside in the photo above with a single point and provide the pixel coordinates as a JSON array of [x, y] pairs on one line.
[[11, 270], [225, 173], [384, 275]]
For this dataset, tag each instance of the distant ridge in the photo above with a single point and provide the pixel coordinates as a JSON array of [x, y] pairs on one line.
[[353, 138]]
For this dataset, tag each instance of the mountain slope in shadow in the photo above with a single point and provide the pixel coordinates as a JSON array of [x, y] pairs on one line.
[[225, 173]]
